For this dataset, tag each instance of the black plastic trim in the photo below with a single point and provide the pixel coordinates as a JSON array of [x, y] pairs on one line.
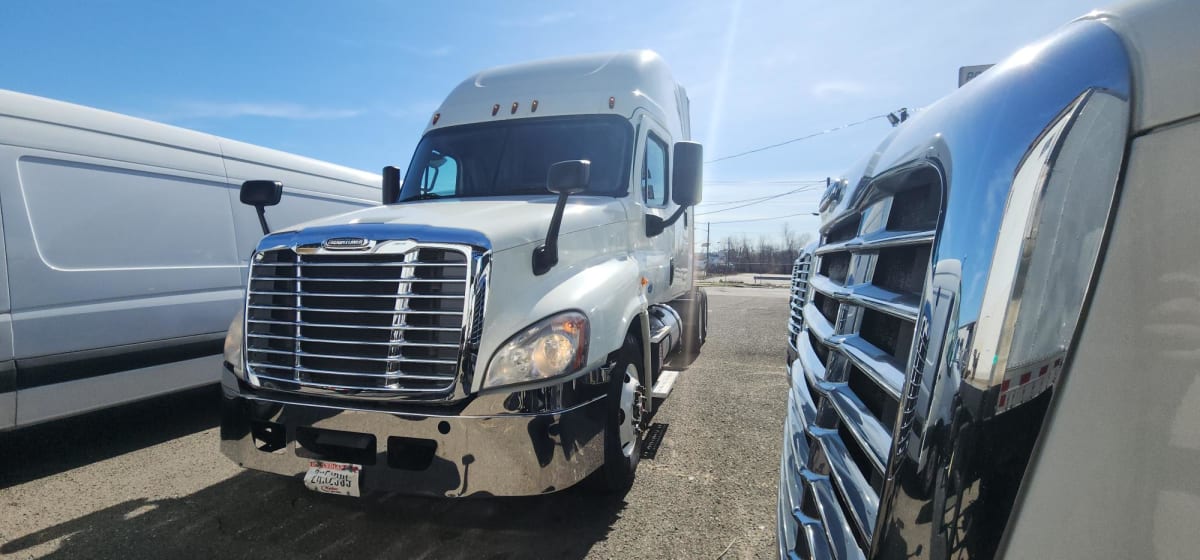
[[73, 366]]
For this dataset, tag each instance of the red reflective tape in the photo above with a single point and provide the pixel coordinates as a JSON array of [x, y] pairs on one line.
[[1004, 386], [1043, 371], [1003, 398], [1025, 377]]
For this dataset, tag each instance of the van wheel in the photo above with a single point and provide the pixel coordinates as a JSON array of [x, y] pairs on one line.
[[626, 422]]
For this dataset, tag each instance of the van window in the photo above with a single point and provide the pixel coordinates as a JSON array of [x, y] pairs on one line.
[[654, 172]]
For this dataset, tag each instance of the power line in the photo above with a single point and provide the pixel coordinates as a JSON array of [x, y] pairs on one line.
[[799, 138], [753, 182], [762, 219], [760, 200]]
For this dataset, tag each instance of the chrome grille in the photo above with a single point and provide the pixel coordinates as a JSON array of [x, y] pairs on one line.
[[358, 325], [800, 272], [854, 347]]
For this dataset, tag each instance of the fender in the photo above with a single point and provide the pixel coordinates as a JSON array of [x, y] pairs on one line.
[[593, 276]]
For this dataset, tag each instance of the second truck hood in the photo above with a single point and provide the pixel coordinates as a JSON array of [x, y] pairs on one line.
[[506, 221]]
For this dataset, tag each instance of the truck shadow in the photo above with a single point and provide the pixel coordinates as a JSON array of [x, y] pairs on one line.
[[47, 449], [266, 516]]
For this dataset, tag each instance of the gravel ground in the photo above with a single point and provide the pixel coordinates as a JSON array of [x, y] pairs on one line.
[[147, 481]]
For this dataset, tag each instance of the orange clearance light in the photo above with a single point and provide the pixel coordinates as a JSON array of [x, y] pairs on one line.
[[644, 281], [533, 106], [436, 116], [513, 111], [612, 102], [495, 109]]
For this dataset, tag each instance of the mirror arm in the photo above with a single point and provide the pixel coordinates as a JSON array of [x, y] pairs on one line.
[[546, 256], [656, 225], [262, 218]]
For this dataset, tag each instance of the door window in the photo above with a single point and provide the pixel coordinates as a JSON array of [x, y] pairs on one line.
[[654, 173]]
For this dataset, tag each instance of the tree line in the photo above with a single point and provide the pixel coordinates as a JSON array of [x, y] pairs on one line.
[[765, 255]]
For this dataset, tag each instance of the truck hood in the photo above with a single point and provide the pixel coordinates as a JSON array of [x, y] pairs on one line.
[[506, 222]]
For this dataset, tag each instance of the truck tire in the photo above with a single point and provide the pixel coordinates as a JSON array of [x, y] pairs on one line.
[[625, 425]]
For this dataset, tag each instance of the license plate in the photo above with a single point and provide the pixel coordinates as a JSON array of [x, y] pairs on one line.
[[333, 478]]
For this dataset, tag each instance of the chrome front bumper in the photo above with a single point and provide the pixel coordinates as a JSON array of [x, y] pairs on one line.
[[516, 454]]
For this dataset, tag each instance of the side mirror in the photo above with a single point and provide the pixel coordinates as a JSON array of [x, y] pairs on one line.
[[564, 178], [687, 185], [260, 194], [391, 184], [569, 177], [687, 179]]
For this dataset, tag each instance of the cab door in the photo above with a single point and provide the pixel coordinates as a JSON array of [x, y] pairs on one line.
[[652, 182]]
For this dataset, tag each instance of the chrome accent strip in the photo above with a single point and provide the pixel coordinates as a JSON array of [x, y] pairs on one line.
[[320, 279], [385, 264], [884, 239], [354, 342], [856, 489], [354, 311], [862, 425], [869, 296], [883, 369], [273, 399], [408, 295], [402, 359], [837, 527], [818, 324], [409, 377], [332, 326], [350, 387], [814, 536]]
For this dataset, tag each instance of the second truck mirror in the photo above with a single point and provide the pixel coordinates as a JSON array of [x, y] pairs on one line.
[[391, 184], [687, 181], [260, 194]]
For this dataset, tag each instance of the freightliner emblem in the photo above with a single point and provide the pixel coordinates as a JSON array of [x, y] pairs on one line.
[[346, 244]]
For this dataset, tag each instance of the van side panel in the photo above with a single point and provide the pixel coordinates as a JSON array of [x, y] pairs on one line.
[[107, 254]]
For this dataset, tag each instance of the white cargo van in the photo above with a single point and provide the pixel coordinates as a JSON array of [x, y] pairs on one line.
[[124, 251]]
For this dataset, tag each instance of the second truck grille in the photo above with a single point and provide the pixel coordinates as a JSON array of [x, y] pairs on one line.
[[866, 287], [362, 326]]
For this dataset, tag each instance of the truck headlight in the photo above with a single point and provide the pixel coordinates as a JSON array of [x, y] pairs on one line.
[[550, 348], [233, 345]]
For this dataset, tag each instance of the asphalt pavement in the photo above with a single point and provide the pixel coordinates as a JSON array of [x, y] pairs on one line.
[[147, 481]]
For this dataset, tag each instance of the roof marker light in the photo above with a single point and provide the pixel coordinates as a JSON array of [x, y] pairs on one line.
[[612, 102], [495, 109], [436, 116], [533, 106], [513, 111]]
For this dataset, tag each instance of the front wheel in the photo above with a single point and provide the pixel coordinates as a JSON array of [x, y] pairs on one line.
[[626, 421]]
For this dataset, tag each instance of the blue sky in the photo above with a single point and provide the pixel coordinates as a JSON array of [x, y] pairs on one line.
[[354, 82]]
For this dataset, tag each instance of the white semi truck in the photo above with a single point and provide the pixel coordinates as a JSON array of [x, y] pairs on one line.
[[996, 348], [499, 325]]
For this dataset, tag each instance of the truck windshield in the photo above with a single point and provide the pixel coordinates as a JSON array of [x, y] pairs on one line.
[[512, 157]]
